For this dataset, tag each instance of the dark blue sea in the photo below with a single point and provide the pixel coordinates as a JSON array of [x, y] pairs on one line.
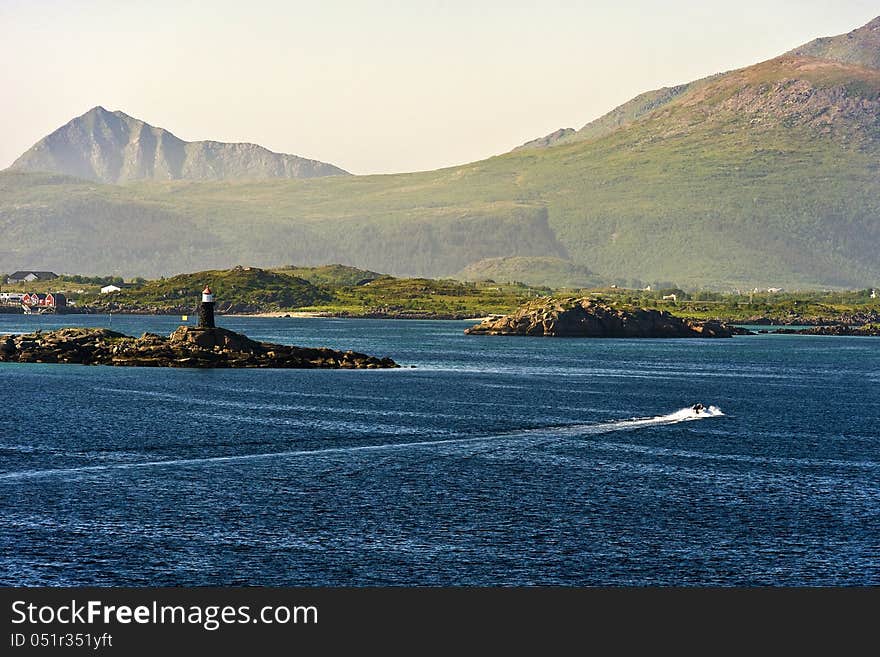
[[495, 461]]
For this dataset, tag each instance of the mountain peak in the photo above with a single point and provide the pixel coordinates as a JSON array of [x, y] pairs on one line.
[[860, 46], [99, 111], [113, 147], [855, 50]]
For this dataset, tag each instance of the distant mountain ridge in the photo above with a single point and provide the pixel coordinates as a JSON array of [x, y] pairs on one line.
[[860, 47], [765, 176], [113, 147]]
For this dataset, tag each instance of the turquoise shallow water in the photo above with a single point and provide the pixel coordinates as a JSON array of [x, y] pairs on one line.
[[494, 461]]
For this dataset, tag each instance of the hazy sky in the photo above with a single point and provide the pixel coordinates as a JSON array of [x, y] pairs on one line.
[[376, 87]]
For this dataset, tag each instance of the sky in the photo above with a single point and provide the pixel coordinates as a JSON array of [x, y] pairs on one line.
[[376, 87]]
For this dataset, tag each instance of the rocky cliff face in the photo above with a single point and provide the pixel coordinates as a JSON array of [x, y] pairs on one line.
[[586, 318], [112, 147], [186, 347]]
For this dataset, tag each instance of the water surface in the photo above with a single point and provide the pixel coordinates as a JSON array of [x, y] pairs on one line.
[[496, 461]]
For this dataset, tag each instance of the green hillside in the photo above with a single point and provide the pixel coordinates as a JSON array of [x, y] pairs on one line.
[[549, 272], [337, 290], [331, 276], [240, 289], [765, 176], [423, 297], [407, 224]]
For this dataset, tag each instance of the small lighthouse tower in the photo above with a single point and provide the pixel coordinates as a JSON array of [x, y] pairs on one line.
[[206, 309]]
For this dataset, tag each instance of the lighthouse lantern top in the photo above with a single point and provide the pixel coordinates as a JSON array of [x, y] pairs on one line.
[[207, 295]]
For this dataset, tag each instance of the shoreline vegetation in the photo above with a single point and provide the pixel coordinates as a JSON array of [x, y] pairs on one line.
[[348, 292]]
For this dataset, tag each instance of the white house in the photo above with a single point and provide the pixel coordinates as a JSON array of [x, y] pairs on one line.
[[107, 289]]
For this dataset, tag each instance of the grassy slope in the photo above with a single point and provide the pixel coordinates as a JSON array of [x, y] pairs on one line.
[[420, 296], [552, 272], [715, 199], [425, 223], [688, 193], [250, 287], [331, 276], [70, 288]]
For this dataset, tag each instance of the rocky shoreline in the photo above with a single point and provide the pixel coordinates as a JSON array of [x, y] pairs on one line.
[[587, 318], [401, 315], [793, 319], [872, 330], [196, 347], [180, 309]]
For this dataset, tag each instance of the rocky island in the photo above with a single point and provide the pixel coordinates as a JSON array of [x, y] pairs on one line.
[[205, 345], [188, 346], [589, 318]]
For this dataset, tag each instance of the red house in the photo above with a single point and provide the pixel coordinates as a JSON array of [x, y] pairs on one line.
[[51, 300]]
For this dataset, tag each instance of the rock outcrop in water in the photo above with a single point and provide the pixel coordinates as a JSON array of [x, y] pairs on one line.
[[588, 318], [865, 330], [186, 347], [854, 318]]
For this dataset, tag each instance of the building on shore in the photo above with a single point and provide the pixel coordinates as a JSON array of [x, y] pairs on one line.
[[10, 298], [50, 301], [30, 276]]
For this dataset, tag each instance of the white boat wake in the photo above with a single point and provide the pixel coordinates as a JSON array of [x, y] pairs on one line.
[[683, 415]]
